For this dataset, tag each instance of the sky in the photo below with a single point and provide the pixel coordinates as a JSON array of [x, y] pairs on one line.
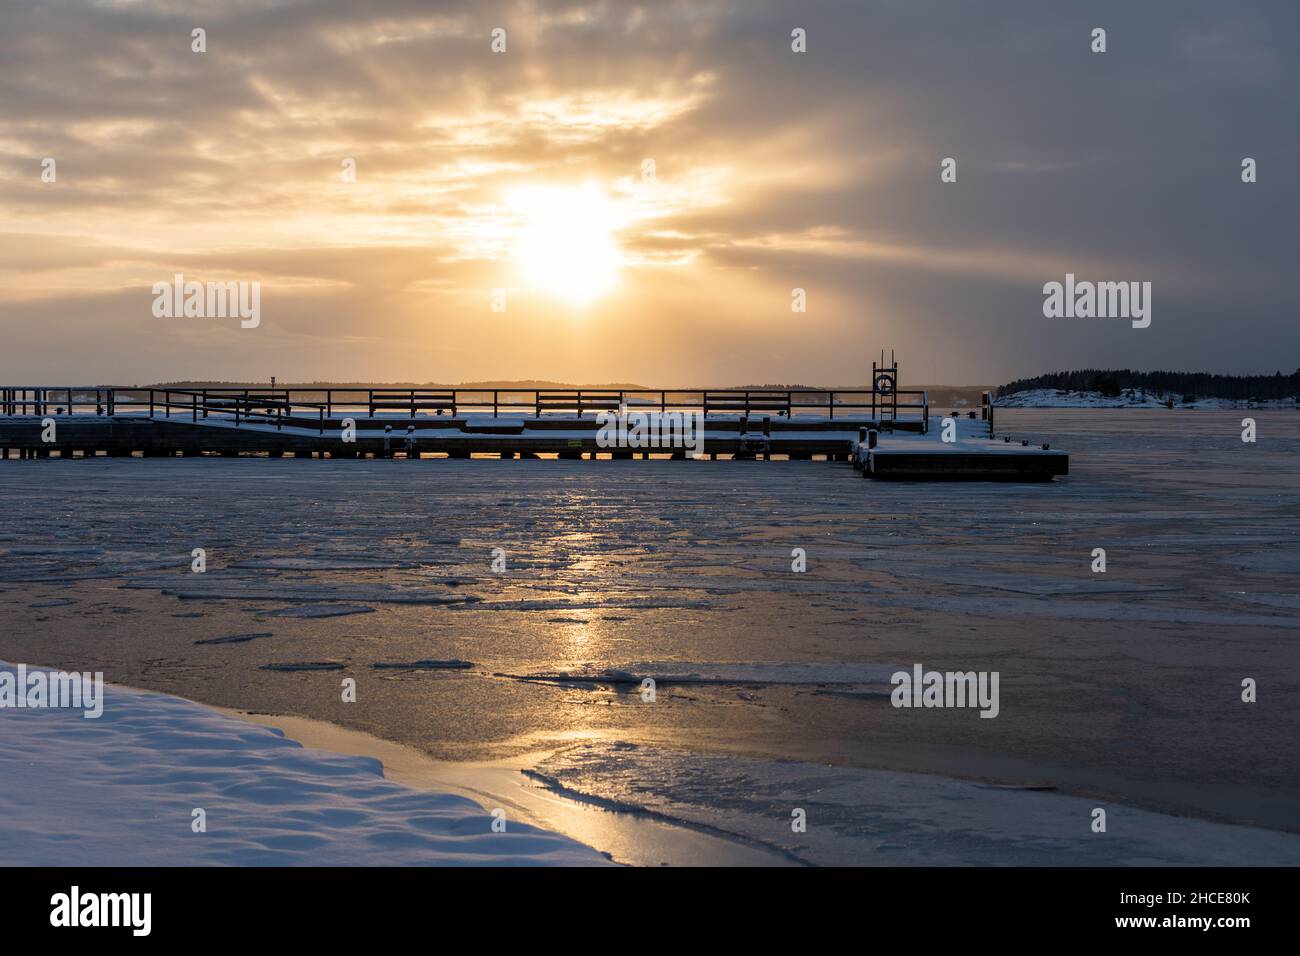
[[631, 192]]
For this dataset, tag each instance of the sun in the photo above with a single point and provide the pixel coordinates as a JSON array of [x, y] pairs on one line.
[[565, 247]]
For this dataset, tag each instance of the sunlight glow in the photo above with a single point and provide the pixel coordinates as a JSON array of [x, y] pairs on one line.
[[565, 246]]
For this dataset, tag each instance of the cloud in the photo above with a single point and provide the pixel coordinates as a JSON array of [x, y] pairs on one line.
[[772, 170]]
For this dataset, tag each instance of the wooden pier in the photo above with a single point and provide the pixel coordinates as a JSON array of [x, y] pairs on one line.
[[737, 424]]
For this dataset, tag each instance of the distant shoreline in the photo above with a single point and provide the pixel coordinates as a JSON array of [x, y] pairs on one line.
[[1069, 398]]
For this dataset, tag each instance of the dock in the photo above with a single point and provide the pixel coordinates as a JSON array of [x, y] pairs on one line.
[[884, 431]]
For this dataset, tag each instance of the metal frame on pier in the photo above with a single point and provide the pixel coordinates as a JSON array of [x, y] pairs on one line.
[[294, 405]]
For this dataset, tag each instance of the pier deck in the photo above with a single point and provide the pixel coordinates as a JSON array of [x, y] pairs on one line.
[[564, 423]]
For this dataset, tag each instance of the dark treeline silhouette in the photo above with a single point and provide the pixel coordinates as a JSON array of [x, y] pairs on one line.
[[1113, 382]]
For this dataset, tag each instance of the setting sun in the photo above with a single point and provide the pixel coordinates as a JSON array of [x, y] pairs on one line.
[[566, 246]]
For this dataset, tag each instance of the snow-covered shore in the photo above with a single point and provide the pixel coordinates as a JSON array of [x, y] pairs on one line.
[[1063, 398], [123, 790]]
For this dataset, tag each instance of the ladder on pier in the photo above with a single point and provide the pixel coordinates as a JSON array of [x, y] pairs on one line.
[[884, 393]]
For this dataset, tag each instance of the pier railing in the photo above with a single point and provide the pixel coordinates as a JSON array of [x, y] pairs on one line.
[[297, 405]]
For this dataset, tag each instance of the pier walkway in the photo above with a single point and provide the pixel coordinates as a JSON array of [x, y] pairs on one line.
[[794, 424]]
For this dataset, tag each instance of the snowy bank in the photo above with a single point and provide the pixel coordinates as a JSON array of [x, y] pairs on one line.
[[123, 790], [1065, 398]]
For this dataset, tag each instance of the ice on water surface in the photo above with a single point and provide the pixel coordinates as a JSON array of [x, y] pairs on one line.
[[614, 571]]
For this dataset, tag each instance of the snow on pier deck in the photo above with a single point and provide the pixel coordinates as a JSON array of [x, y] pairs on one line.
[[973, 454], [799, 425]]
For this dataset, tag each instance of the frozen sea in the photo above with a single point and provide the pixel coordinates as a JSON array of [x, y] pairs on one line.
[[1119, 690]]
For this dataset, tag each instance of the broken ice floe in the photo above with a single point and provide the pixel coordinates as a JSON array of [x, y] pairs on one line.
[[859, 816], [320, 610], [1280, 560], [1289, 601], [428, 665], [721, 673], [235, 638], [223, 588], [591, 604]]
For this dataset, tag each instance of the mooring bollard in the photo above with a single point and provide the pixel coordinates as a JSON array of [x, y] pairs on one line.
[[873, 436], [410, 442], [388, 437]]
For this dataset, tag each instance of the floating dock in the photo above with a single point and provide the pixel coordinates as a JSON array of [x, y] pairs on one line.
[[976, 457], [885, 432]]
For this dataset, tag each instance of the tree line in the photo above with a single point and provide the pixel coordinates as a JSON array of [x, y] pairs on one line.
[[1114, 382]]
